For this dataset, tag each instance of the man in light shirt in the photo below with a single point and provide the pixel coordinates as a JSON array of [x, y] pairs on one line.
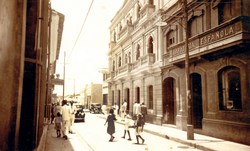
[[65, 118]]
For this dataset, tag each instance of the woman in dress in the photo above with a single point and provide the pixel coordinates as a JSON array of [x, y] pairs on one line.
[[111, 125]]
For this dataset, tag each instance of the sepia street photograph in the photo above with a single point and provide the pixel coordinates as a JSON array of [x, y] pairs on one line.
[[125, 75]]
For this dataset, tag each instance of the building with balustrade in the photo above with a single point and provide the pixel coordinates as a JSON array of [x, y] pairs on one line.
[[147, 63], [135, 58]]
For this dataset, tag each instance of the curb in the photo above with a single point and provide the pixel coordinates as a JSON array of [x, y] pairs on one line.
[[170, 137]]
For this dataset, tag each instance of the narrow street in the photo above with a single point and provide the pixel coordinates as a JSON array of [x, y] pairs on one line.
[[95, 134]]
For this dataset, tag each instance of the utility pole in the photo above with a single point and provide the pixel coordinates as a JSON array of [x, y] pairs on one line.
[[190, 128], [64, 73]]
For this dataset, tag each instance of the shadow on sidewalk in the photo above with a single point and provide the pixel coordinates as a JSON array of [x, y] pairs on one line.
[[54, 143]]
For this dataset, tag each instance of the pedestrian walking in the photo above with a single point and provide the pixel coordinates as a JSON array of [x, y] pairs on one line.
[[58, 123], [143, 111], [123, 110], [139, 128], [111, 125], [57, 108], [115, 107], [127, 124], [72, 117], [136, 111], [65, 119]]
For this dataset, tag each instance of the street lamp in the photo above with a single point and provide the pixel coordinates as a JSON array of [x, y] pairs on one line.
[[190, 128]]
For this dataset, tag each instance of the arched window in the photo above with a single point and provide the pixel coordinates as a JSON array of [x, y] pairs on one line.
[[150, 97], [226, 10], [138, 52], [151, 2], [150, 45], [129, 57], [114, 36], [229, 88], [113, 65], [171, 38], [126, 58], [120, 61]]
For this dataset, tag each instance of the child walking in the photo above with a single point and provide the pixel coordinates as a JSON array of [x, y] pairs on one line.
[[58, 121], [139, 128], [127, 124]]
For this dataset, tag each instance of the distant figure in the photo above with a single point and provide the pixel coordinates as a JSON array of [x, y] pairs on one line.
[[111, 125], [136, 111], [57, 109], [72, 117], [123, 110], [127, 124], [65, 119], [58, 122], [143, 111], [139, 128], [116, 109]]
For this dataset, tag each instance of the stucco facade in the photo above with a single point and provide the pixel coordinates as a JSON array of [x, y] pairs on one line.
[[147, 63]]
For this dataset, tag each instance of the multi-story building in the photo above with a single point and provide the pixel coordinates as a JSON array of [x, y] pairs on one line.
[[24, 73], [147, 63], [92, 94]]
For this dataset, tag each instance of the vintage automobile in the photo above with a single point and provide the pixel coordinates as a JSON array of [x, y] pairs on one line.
[[95, 108], [80, 115]]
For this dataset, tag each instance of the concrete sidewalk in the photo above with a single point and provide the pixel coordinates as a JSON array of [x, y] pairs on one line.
[[201, 141], [75, 142]]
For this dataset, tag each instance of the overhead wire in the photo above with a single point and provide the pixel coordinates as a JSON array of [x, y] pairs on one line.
[[80, 30]]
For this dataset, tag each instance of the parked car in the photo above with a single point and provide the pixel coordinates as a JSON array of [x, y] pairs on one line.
[[95, 108], [80, 115]]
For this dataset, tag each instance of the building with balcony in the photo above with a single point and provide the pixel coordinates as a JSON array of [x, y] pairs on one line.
[[135, 58], [147, 63], [218, 42]]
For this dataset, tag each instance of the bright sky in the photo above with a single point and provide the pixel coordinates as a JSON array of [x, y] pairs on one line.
[[89, 54]]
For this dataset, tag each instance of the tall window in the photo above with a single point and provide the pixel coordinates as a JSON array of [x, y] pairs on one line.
[[129, 57], [138, 52], [150, 97], [170, 38], [226, 10], [120, 61], [150, 45], [126, 58], [229, 87], [113, 65]]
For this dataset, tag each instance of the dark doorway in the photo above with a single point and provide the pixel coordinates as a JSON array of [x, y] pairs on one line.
[[169, 107], [113, 97], [119, 100], [196, 93], [127, 98], [137, 95]]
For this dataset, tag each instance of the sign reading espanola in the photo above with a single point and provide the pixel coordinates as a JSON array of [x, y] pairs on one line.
[[57, 81]]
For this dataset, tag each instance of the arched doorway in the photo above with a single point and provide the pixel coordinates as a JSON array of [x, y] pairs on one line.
[[168, 104], [119, 100], [196, 101], [137, 95], [150, 45], [127, 98]]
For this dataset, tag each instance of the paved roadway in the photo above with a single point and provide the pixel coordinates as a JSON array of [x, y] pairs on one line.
[[95, 134]]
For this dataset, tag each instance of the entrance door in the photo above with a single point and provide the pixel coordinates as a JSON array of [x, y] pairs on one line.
[[119, 100], [169, 107], [127, 98], [196, 93], [137, 95]]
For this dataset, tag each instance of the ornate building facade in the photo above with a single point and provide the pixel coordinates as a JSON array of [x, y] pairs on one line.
[[147, 63]]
